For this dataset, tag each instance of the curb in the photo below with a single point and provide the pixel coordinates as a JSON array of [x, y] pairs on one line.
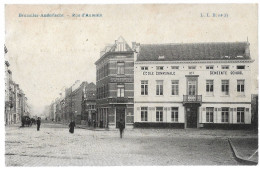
[[237, 157]]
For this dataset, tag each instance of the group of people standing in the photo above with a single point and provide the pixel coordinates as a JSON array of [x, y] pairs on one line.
[[72, 125]]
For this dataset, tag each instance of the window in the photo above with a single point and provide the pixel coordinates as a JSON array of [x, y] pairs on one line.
[[210, 67], [175, 87], [225, 67], [240, 114], [192, 87], [209, 114], [159, 113], [175, 67], [159, 87], [120, 68], [120, 90], [241, 67], [209, 86], [144, 67], [120, 46], [225, 87], [241, 86], [224, 114], [159, 67], [191, 67], [144, 113], [144, 87], [175, 114]]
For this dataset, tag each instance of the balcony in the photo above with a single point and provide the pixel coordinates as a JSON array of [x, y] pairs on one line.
[[121, 100], [192, 100]]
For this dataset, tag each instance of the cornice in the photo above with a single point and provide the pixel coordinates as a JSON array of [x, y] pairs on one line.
[[194, 61]]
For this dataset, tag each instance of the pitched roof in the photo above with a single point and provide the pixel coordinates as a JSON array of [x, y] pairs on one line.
[[194, 51]]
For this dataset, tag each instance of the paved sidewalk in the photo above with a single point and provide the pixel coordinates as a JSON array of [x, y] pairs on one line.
[[246, 148]]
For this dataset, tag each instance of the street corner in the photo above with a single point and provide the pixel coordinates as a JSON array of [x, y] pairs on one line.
[[245, 150]]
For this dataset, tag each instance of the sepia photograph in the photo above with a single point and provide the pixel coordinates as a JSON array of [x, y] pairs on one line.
[[130, 85]]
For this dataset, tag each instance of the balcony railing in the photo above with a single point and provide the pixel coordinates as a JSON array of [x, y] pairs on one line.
[[192, 99]]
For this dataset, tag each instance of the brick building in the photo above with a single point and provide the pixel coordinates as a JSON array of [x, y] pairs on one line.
[[115, 85]]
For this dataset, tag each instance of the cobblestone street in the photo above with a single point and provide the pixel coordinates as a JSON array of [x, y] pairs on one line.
[[53, 145]]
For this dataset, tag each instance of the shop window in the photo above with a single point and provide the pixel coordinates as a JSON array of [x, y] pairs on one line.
[[240, 114], [159, 113], [209, 114], [175, 114], [144, 112], [224, 114]]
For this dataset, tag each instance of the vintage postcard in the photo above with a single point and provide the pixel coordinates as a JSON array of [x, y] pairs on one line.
[[131, 84]]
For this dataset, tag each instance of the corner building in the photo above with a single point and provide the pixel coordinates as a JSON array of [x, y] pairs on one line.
[[115, 85], [192, 85]]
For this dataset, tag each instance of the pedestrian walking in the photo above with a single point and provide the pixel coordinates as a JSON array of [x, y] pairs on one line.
[[71, 126], [121, 127], [38, 122]]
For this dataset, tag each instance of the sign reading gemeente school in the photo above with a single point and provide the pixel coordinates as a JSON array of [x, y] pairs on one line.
[[175, 85]]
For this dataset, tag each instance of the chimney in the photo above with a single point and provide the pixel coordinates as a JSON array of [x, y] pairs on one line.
[[136, 50], [247, 50]]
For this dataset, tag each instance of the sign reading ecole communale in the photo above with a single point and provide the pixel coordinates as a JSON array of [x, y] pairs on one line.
[[235, 72]]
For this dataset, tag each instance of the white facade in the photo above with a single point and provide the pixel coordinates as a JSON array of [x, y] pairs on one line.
[[204, 79]]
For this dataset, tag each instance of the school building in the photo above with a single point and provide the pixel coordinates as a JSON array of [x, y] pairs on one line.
[[192, 85]]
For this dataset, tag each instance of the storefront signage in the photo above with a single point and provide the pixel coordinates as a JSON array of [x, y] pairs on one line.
[[158, 73]]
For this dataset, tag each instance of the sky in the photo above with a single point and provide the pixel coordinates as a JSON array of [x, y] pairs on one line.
[[47, 54]]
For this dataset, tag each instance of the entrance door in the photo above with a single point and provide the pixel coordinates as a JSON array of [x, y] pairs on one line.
[[191, 113], [120, 114]]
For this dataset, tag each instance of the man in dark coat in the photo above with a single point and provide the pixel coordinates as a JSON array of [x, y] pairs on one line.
[[72, 125], [121, 127], [38, 122]]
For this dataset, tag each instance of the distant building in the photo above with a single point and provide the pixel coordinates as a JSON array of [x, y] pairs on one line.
[[89, 104], [193, 85], [115, 85]]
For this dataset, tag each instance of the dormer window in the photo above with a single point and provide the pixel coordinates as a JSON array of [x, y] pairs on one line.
[[241, 67], [225, 67], [175, 67], [210, 67], [191, 67], [144, 67], [161, 57], [159, 67]]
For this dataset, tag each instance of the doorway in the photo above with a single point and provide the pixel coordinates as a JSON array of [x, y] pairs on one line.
[[191, 117], [120, 114]]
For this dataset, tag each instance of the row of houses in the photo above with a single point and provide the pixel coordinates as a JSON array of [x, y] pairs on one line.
[[77, 102], [187, 85], [16, 102]]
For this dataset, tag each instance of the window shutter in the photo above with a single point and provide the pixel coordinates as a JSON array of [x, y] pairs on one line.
[[216, 109], [165, 108], [247, 109]]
